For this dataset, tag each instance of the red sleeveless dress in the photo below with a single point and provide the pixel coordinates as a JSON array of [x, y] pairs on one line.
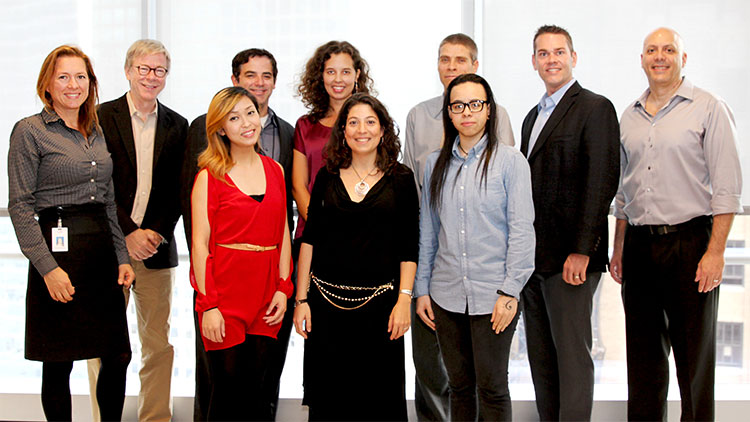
[[241, 283]]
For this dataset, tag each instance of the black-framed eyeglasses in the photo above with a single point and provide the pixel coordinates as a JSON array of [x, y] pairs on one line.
[[458, 107], [159, 71]]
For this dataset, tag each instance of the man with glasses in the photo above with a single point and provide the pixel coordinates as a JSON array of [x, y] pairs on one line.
[[457, 55], [147, 143], [255, 70], [571, 139]]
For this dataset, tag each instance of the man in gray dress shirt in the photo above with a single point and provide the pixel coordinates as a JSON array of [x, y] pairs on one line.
[[457, 55], [680, 188]]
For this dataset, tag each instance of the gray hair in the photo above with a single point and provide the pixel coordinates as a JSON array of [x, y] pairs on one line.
[[145, 47]]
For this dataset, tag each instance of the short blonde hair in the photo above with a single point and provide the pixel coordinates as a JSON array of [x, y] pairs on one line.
[[217, 157], [146, 47]]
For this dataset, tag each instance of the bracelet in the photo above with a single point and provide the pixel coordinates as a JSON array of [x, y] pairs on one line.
[[300, 301], [502, 293], [407, 292]]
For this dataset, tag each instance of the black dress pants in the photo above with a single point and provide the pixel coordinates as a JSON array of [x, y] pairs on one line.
[[430, 379], [203, 385], [664, 309], [558, 339], [476, 360], [237, 375]]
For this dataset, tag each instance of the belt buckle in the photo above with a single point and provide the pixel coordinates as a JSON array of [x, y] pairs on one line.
[[659, 230]]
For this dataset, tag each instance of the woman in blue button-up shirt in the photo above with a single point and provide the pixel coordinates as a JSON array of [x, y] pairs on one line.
[[476, 249]]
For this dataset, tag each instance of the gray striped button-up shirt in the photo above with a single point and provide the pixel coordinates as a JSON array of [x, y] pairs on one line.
[[50, 164]]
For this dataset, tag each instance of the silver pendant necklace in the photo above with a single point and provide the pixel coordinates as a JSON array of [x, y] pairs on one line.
[[361, 188]]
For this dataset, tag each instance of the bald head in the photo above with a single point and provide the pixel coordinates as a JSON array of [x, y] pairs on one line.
[[663, 58], [665, 34]]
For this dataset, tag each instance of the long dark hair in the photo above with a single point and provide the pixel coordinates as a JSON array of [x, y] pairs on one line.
[[440, 172], [311, 89], [338, 153]]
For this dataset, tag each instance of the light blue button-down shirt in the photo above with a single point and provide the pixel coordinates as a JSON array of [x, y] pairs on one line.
[[480, 239], [544, 109]]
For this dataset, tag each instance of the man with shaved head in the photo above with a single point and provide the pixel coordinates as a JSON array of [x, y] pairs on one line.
[[680, 188]]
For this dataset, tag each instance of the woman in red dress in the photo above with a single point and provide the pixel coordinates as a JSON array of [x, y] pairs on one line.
[[241, 255]]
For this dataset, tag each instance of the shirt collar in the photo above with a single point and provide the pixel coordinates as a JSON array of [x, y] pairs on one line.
[[476, 150], [554, 99], [49, 116], [134, 111], [685, 91], [271, 120], [435, 107]]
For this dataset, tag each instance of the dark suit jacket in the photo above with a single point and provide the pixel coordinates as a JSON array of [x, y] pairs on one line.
[[196, 143], [163, 209], [575, 168]]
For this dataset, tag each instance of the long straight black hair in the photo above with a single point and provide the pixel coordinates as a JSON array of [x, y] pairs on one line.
[[440, 172]]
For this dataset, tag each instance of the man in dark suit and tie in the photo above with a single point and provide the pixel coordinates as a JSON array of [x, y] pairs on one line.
[[255, 70], [147, 143], [571, 139]]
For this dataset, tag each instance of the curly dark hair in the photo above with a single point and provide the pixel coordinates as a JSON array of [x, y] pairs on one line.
[[338, 153], [311, 88]]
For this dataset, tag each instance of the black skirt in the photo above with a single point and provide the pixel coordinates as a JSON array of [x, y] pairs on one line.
[[93, 324]]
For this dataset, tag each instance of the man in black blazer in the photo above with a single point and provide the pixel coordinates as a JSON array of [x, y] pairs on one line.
[[255, 70], [571, 139], [147, 143]]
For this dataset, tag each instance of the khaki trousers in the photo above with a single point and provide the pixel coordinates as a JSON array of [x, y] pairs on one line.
[[152, 293]]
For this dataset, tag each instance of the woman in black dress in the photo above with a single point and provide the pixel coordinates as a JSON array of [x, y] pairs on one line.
[[356, 270], [59, 168]]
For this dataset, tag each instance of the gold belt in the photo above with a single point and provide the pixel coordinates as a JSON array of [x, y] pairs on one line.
[[376, 291], [246, 247]]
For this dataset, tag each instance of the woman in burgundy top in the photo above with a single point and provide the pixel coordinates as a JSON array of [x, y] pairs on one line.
[[241, 255], [331, 76]]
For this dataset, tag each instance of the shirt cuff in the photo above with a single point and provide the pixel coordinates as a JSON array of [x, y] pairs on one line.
[[421, 288], [726, 204], [45, 264]]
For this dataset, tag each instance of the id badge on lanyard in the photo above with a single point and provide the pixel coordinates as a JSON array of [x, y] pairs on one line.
[[59, 236]]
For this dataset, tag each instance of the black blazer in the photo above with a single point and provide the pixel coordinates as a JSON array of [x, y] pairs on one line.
[[196, 143], [575, 169], [163, 209]]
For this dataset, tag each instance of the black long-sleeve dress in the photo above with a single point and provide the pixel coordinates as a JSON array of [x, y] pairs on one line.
[[353, 371]]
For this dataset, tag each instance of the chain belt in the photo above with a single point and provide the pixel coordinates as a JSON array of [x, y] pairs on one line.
[[376, 291]]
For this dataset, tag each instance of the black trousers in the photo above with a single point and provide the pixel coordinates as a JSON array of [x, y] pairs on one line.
[[237, 374], [664, 309], [558, 339], [203, 385], [430, 379], [476, 360], [277, 358]]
